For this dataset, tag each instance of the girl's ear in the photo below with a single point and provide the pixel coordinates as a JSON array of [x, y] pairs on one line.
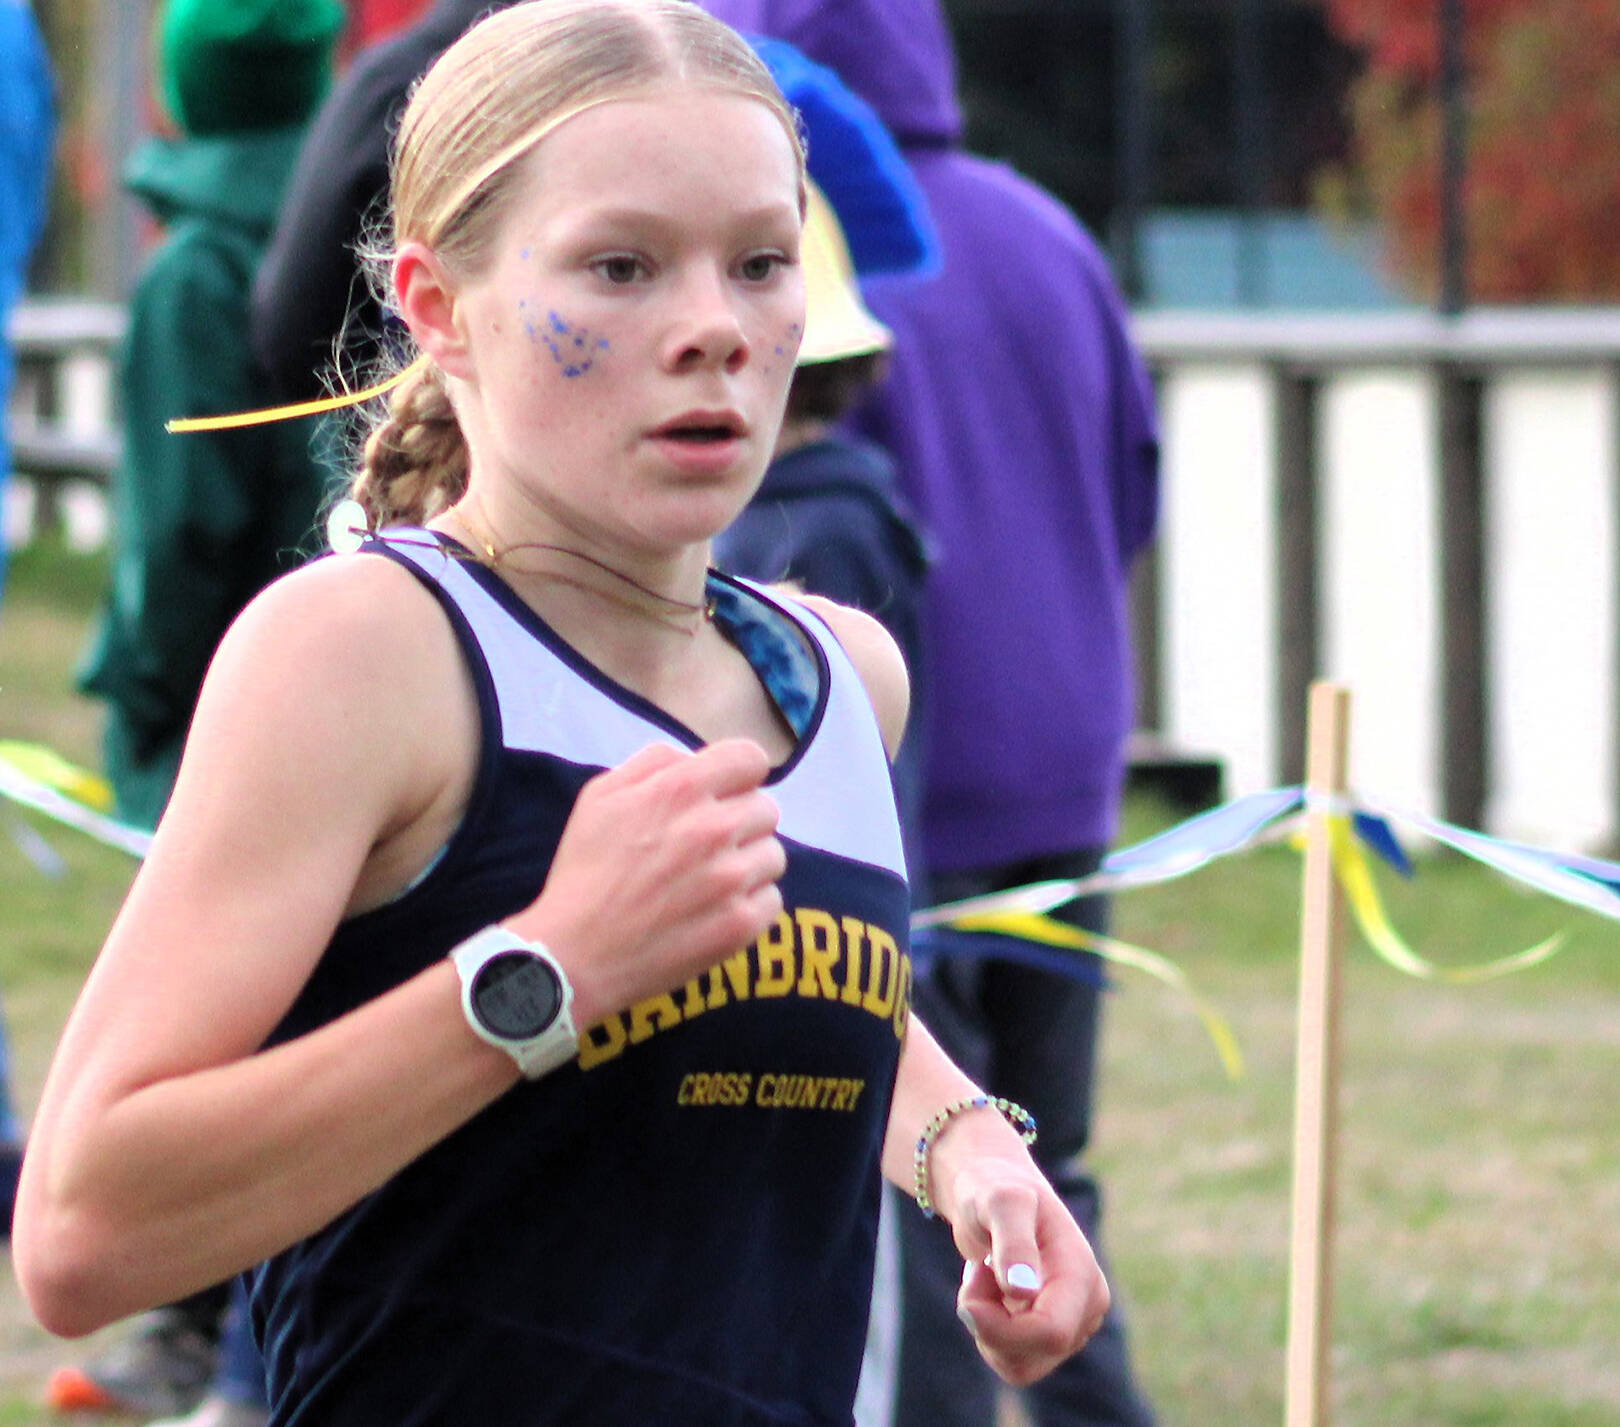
[[428, 303]]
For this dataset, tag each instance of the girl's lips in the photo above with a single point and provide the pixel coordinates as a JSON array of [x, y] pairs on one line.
[[704, 420], [698, 457]]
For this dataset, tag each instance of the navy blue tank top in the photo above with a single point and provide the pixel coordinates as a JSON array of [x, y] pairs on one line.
[[678, 1227]]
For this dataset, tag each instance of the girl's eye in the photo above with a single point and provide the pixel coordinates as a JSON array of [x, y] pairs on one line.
[[619, 268], [760, 267]]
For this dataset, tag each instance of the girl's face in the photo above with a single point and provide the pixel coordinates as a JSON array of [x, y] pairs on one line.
[[629, 348]]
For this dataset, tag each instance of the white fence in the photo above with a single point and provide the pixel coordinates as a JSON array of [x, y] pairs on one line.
[[62, 427], [1428, 511], [1423, 509]]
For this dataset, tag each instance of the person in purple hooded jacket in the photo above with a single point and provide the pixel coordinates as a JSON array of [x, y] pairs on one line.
[[1022, 425]]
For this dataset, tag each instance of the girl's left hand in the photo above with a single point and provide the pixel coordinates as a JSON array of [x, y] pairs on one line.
[[1032, 1294]]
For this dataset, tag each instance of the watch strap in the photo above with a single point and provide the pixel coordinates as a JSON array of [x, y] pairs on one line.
[[537, 1055]]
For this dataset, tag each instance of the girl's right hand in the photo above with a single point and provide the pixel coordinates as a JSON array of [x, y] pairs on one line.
[[668, 864]]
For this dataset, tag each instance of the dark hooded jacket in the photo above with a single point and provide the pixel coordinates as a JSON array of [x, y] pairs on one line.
[[310, 288], [203, 521], [1021, 422]]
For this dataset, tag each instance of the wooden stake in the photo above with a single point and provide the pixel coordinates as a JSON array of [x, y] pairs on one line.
[[1316, 1070]]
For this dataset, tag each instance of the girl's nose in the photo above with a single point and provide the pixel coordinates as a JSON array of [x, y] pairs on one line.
[[708, 330]]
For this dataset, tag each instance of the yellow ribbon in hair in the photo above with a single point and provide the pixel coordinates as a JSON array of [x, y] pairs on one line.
[[1049, 931], [293, 411], [1355, 877]]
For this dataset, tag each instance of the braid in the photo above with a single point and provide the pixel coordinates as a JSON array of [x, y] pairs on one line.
[[415, 460]]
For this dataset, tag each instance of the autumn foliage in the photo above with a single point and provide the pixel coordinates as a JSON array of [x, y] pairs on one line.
[[1542, 194]]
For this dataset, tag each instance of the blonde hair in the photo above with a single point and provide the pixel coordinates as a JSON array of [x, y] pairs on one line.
[[487, 102]]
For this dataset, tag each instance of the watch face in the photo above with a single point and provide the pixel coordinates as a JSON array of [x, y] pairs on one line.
[[516, 995]]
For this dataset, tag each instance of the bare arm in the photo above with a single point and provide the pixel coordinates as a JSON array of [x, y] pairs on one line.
[[1003, 1213], [162, 1142], [169, 1151]]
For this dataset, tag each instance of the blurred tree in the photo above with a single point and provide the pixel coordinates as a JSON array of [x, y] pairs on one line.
[[1543, 174], [373, 20]]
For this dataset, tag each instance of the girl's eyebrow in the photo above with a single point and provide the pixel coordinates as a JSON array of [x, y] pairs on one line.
[[630, 217]]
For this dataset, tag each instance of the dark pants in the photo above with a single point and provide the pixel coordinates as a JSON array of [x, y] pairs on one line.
[[1030, 1036], [221, 1314], [240, 1375]]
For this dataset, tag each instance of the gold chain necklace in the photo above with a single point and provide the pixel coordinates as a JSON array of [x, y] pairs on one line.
[[683, 616]]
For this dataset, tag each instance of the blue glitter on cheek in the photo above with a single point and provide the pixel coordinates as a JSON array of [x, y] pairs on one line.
[[573, 348]]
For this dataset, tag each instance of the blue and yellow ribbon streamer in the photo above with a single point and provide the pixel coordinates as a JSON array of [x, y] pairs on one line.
[[1361, 893], [1049, 931], [1355, 827], [47, 767], [39, 778]]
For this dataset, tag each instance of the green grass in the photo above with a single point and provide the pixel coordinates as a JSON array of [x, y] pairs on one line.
[[1478, 1214], [1478, 1199]]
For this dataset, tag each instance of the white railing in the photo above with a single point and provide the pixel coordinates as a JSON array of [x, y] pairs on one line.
[[1427, 510], [62, 422], [1424, 509], [62, 413]]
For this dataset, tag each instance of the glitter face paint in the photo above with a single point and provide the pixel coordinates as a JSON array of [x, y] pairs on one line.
[[573, 348]]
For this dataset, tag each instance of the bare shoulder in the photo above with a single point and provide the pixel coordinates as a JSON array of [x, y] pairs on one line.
[[335, 725], [877, 659], [346, 672], [351, 626], [335, 609]]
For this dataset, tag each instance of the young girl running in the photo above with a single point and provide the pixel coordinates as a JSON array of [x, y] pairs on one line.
[[519, 971]]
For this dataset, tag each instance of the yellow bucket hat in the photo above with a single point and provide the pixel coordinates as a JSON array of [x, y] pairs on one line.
[[836, 322]]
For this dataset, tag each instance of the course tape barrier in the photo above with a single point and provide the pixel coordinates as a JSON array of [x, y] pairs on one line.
[[38, 778], [1035, 939], [1357, 826], [1355, 877], [45, 765], [1015, 925]]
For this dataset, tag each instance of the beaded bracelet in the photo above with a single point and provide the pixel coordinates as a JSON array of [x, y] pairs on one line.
[[1015, 1115]]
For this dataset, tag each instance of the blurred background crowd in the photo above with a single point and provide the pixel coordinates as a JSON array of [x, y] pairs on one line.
[[1246, 153], [1272, 153]]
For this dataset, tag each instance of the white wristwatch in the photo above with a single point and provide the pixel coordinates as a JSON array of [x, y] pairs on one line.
[[516, 997]]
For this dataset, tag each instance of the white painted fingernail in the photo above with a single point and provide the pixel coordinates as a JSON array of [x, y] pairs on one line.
[[1022, 1275], [966, 1320]]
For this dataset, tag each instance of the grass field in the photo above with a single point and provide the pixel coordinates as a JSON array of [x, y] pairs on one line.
[[1478, 1255]]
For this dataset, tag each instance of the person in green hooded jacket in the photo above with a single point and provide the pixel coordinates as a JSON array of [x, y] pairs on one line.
[[203, 521]]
